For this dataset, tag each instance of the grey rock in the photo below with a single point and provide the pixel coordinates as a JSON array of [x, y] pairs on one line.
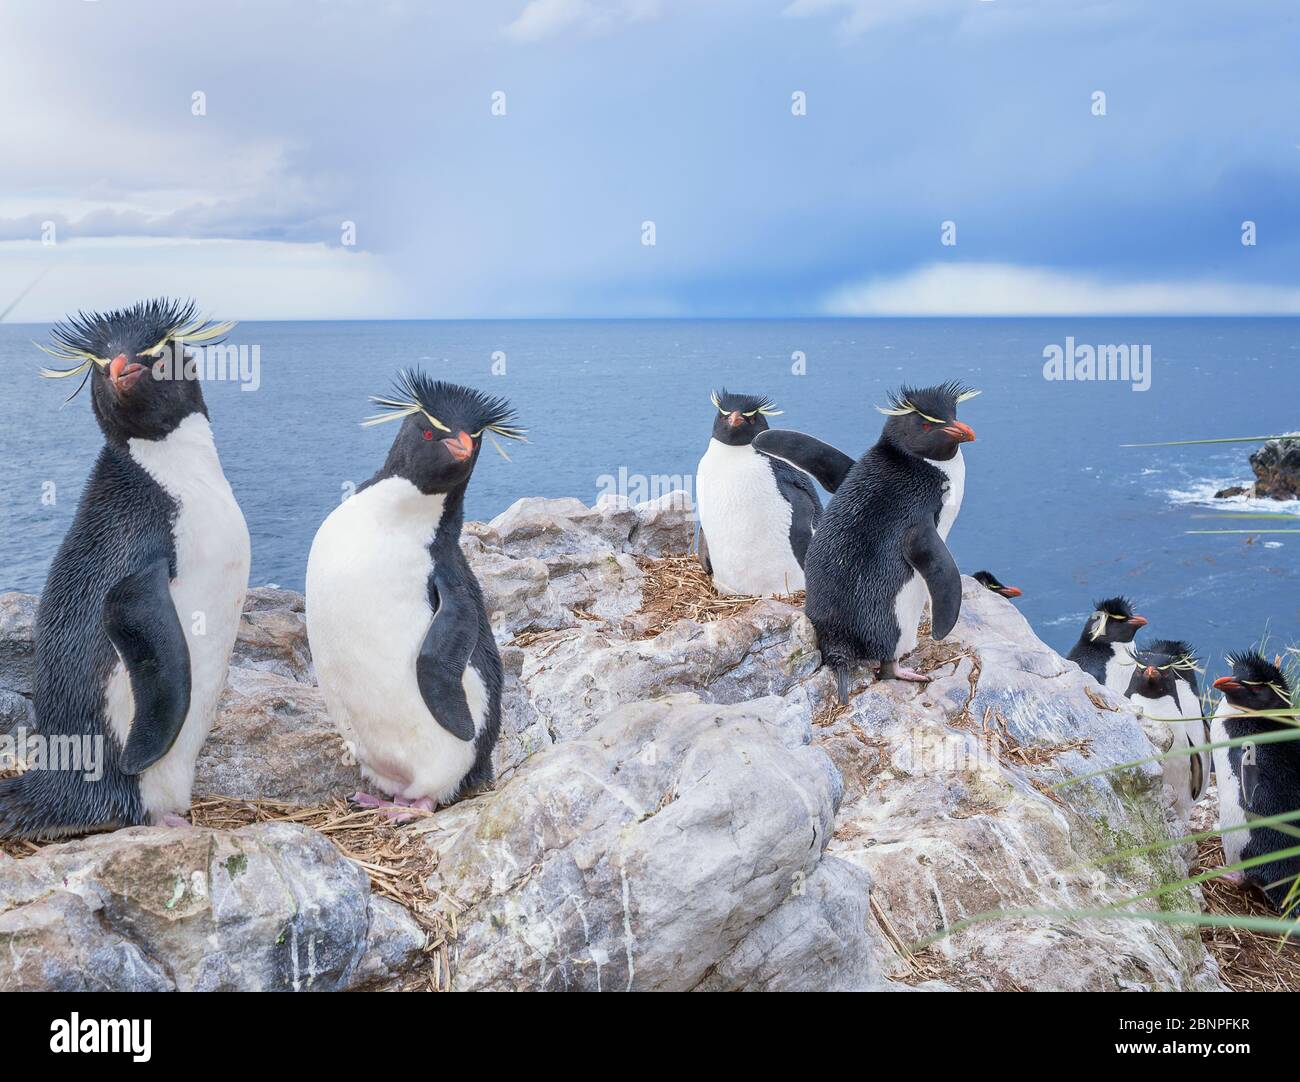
[[643, 856], [273, 906], [1277, 468], [18, 642], [273, 740]]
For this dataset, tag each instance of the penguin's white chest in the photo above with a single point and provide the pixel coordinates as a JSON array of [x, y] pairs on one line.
[[212, 562], [367, 615], [909, 604], [954, 488], [1184, 774], [1231, 811], [746, 523], [1119, 669]]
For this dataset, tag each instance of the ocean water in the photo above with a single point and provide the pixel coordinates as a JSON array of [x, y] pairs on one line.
[[1053, 503]]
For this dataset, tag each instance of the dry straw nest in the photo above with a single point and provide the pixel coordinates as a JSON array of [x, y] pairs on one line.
[[677, 588], [1248, 961]]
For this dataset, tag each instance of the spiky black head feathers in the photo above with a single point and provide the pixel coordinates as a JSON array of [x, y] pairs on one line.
[[140, 332], [1174, 649], [744, 404], [449, 407], [936, 404], [1251, 667], [1116, 607]]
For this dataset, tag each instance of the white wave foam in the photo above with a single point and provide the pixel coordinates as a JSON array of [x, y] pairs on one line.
[[1200, 493]]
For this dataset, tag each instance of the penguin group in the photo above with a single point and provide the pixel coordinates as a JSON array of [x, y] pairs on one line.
[[142, 605], [1243, 742]]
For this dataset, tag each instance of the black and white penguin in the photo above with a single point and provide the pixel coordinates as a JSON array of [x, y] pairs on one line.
[[988, 580], [1105, 648], [143, 600], [1256, 780], [757, 513], [1164, 680], [399, 634], [880, 546]]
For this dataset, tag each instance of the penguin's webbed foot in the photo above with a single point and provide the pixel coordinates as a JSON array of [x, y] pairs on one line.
[[1237, 879], [399, 809], [174, 821], [892, 670]]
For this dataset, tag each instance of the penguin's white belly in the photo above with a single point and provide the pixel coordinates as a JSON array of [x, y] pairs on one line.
[[1231, 813], [910, 603], [367, 615], [908, 607], [746, 523], [1178, 770], [212, 562], [1119, 669]]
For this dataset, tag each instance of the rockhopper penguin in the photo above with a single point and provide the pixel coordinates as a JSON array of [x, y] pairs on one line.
[[1256, 780], [395, 617], [989, 581], [757, 513], [1105, 647], [143, 600], [880, 546], [1163, 680]]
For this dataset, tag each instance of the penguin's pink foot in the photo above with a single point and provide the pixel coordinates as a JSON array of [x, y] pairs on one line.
[[1237, 879], [398, 809], [892, 670], [174, 821]]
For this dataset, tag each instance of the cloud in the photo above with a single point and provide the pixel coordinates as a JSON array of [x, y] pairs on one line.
[[233, 279], [858, 16], [547, 18], [1002, 289]]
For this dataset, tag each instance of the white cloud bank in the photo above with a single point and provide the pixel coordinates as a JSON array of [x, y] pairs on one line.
[[233, 279], [1004, 289]]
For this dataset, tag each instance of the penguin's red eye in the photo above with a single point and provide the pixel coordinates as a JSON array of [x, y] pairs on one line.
[[926, 425], [428, 433]]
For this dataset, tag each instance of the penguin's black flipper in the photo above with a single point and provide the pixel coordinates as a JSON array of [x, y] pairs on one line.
[[797, 489], [440, 666], [924, 549], [142, 624], [826, 463]]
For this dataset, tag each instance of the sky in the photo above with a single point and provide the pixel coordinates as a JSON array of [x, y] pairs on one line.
[[370, 159]]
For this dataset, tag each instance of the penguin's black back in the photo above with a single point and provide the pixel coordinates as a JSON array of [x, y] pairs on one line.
[[122, 524], [855, 566]]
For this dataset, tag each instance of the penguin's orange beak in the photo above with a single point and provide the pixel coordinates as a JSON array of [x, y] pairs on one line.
[[960, 432], [1136, 621], [123, 374], [1227, 683], [461, 447], [1010, 591], [734, 419], [1152, 673]]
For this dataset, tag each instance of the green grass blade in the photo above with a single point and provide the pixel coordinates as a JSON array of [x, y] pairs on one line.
[[1169, 843], [1262, 738], [1192, 443], [1204, 532]]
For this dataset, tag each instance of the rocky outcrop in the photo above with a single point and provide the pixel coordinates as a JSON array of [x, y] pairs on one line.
[[269, 907], [690, 809], [1277, 469]]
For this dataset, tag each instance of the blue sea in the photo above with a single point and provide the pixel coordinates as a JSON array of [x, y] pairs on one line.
[[1053, 503]]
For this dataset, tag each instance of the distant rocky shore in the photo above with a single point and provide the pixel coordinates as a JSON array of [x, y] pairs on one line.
[[1277, 471]]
